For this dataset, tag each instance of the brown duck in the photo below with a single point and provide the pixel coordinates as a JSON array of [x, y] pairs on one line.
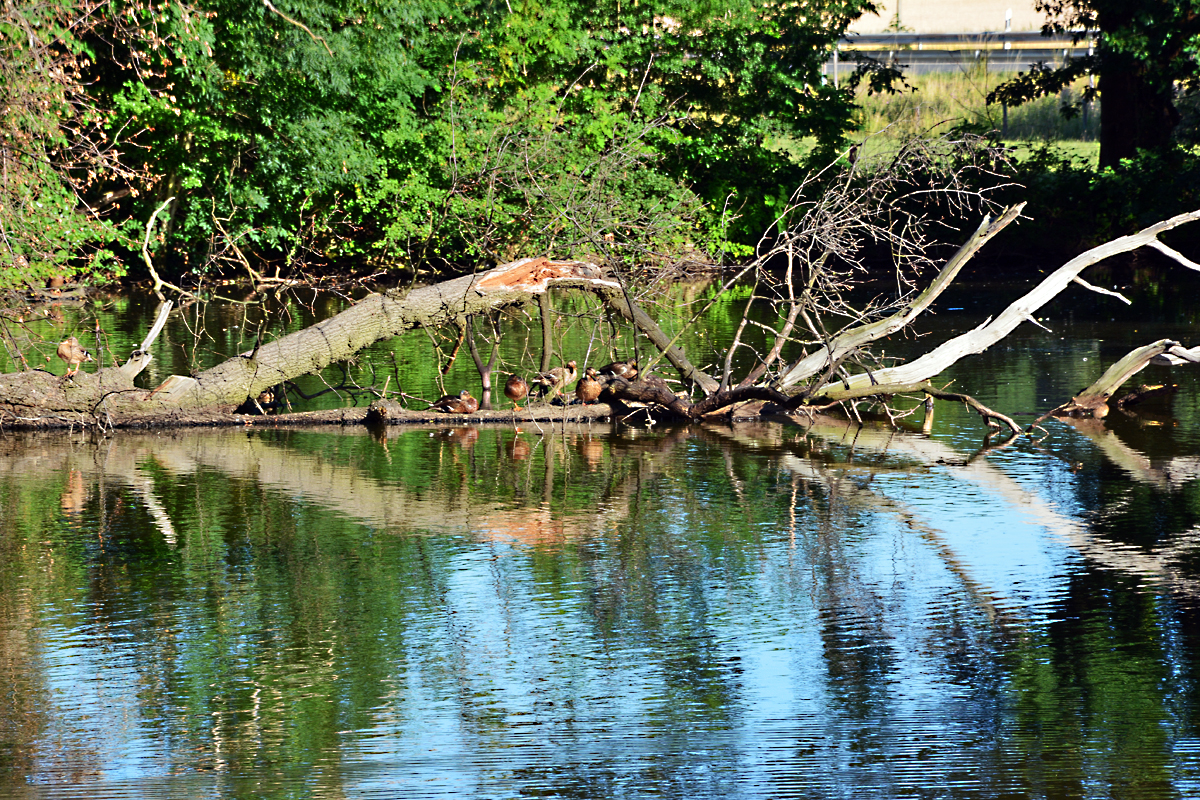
[[515, 389], [72, 352], [588, 388], [621, 369], [557, 379], [461, 403]]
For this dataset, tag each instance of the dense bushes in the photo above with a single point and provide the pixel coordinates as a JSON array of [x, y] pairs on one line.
[[435, 133], [1073, 205]]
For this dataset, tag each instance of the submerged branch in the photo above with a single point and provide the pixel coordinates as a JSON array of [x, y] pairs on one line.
[[1094, 400]]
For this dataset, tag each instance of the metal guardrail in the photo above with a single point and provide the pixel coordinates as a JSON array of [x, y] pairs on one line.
[[987, 39], [916, 53]]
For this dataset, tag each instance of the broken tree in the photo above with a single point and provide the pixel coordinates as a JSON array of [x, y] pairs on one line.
[[817, 378], [820, 352]]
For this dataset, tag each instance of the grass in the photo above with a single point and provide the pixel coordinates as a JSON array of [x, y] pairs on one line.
[[937, 102], [948, 98], [1088, 152]]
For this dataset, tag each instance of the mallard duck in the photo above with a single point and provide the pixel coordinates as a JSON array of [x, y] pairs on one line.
[[72, 352], [461, 403], [621, 369], [515, 389], [555, 380], [588, 388]]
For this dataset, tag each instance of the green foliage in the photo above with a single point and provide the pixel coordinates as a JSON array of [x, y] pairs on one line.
[[429, 133], [1145, 56], [439, 133], [51, 155]]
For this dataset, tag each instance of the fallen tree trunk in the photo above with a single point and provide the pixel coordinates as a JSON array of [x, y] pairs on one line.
[[109, 398]]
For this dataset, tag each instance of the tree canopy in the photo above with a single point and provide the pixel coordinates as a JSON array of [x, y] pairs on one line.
[[417, 134]]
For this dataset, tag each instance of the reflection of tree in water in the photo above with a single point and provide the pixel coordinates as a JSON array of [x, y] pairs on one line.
[[316, 584], [1086, 691]]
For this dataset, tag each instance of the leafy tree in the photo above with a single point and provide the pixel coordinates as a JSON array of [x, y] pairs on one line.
[[1146, 54], [55, 156], [445, 133], [440, 133]]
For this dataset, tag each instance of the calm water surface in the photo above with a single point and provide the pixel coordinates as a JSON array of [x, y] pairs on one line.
[[751, 611]]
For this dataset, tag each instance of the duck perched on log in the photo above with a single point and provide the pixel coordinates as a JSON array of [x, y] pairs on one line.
[[72, 352], [557, 379], [515, 389], [588, 388], [461, 403], [620, 369]]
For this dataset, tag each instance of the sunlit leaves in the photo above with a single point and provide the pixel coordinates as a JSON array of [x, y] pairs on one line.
[[454, 132]]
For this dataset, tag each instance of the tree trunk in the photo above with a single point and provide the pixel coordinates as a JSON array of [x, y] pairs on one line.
[[1133, 116], [108, 398]]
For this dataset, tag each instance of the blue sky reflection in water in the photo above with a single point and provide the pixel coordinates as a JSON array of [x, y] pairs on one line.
[[737, 612], [745, 612]]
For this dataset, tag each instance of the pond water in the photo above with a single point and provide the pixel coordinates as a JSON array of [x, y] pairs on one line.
[[758, 610]]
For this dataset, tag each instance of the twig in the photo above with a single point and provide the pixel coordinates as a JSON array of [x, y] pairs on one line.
[[158, 282], [301, 25]]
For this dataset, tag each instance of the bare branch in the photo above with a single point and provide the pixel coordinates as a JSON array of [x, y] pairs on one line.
[[300, 25], [855, 338], [984, 336], [1100, 290], [158, 282], [1171, 253]]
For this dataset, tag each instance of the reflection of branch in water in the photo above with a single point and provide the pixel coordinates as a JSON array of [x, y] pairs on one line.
[[988, 447], [1135, 463], [981, 472], [350, 490], [143, 484]]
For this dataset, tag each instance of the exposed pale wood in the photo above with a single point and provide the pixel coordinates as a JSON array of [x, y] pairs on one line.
[[1101, 290], [848, 341], [1176, 357], [1132, 363], [1175, 254], [140, 359], [1093, 400], [159, 283], [984, 336]]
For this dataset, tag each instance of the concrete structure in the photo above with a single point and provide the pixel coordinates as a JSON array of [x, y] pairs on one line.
[[952, 16]]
